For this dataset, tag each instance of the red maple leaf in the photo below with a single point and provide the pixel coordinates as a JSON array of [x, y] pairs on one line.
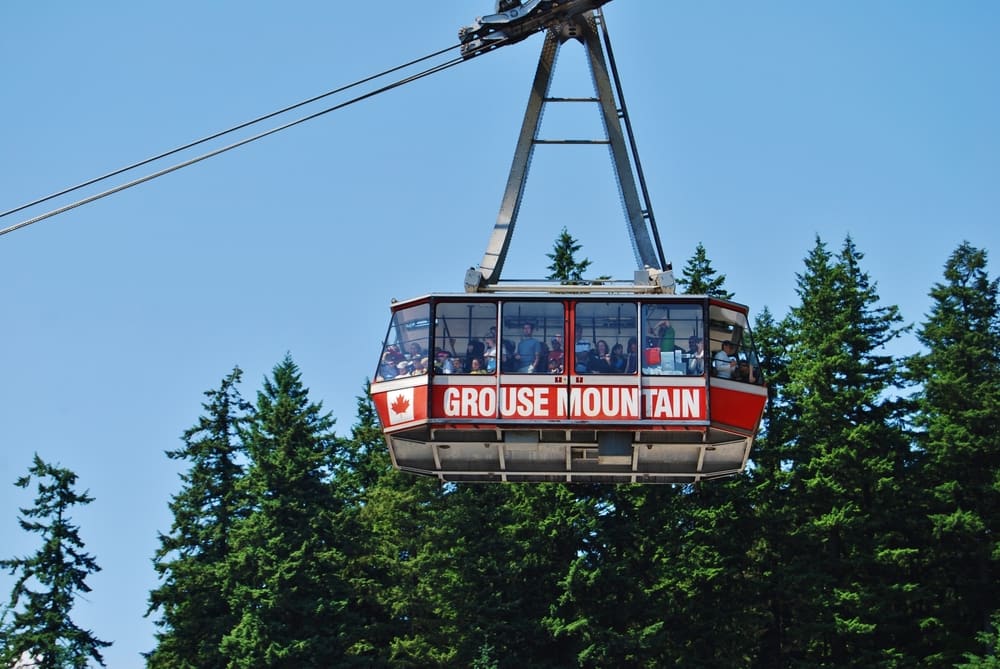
[[400, 404]]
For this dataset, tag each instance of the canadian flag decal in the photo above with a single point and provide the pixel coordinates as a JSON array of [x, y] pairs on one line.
[[400, 406]]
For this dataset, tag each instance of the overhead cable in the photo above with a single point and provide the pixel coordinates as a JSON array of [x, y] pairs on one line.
[[420, 75]]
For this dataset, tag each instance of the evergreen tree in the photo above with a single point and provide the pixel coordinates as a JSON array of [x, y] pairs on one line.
[[618, 606], [365, 455], [991, 642], [48, 582], [699, 277], [716, 576], [286, 554], [769, 478], [514, 544], [565, 267], [453, 575], [375, 561], [401, 573], [192, 559], [843, 555], [958, 417]]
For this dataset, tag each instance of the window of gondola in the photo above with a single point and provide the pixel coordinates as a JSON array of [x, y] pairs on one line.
[[405, 347], [674, 341], [465, 338], [531, 337], [606, 338], [733, 354]]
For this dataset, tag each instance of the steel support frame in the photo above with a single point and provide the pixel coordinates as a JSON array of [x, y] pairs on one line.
[[648, 256]]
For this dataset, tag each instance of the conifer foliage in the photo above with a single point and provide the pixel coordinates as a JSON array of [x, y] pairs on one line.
[[863, 534], [699, 277], [958, 418], [49, 581], [194, 598], [844, 454], [290, 605], [565, 267]]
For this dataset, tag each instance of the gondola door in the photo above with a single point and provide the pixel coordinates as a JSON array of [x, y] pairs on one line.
[[603, 386], [533, 381]]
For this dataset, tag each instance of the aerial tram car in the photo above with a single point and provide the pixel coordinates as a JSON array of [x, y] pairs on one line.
[[602, 381]]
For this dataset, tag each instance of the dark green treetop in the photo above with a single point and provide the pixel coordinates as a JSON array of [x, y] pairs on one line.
[[49, 581], [565, 267], [846, 461], [699, 277], [958, 421], [286, 554], [191, 559]]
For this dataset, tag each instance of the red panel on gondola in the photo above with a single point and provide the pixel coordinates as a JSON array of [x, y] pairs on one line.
[[739, 407], [401, 407]]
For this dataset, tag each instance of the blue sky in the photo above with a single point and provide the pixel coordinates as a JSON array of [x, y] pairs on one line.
[[759, 125]]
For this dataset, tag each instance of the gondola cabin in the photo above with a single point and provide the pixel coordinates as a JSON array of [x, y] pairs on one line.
[[579, 388], [577, 383]]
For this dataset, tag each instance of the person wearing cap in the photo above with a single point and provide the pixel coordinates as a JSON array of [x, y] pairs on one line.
[[443, 363], [695, 356], [724, 361]]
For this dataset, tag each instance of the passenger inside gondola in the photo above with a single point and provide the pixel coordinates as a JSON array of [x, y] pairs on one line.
[[443, 362], [419, 367], [695, 356], [529, 351], [632, 356], [745, 373], [387, 368], [474, 351], [507, 361], [386, 371], [666, 336], [490, 353], [555, 365], [724, 361], [600, 359], [555, 356], [582, 358], [617, 359]]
